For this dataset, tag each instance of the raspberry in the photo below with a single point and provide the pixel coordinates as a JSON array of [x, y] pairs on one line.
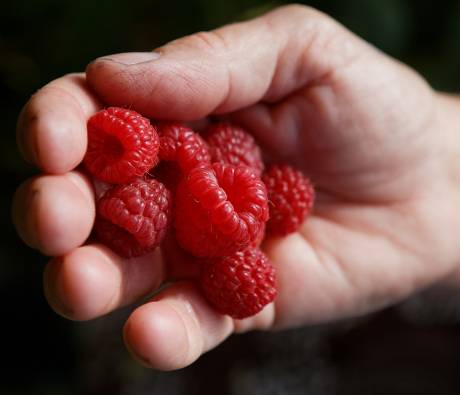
[[231, 144], [122, 145], [240, 284], [220, 209], [260, 237], [133, 218], [291, 197], [180, 143]]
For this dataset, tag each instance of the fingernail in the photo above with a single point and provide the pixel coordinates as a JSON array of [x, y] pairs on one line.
[[131, 58]]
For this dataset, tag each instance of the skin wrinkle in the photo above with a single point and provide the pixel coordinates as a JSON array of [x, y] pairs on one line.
[[411, 246], [133, 80], [281, 39], [360, 298], [116, 297], [332, 263], [44, 213], [60, 93], [216, 42], [373, 170], [133, 274], [31, 112], [87, 192], [79, 80], [282, 316], [328, 261], [191, 79], [189, 356], [365, 228], [290, 136], [63, 91], [209, 39], [323, 38], [392, 245], [335, 78], [402, 246], [230, 82]]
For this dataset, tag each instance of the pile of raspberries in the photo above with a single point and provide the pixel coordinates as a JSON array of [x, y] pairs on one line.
[[209, 191]]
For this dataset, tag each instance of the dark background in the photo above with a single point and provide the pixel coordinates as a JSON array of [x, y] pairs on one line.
[[413, 348]]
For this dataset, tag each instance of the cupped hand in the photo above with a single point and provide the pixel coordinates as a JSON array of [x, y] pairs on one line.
[[369, 131]]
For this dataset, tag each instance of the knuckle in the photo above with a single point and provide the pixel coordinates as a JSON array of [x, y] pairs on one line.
[[209, 41], [306, 14], [301, 10]]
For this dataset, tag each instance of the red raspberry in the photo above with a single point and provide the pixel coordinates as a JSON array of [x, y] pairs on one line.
[[122, 145], [180, 143], [220, 209], [291, 197], [133, 218], [260, 237], [240, 284], [231, 144]]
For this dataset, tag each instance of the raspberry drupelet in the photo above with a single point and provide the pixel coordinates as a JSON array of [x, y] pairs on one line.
[[240, 284], [132, 219], [291, 196], [122, 145], [181, 144], [220, 209], [231, 144]]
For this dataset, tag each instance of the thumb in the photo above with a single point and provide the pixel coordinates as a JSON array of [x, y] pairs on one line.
[[226, 69]]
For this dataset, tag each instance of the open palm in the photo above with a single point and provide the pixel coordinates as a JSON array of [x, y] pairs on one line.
[[364, 127]]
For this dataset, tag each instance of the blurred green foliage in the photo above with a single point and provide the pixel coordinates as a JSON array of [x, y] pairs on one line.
[[43, 39]]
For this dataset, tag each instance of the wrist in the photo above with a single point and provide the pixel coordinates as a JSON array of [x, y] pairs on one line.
[[449, 131]]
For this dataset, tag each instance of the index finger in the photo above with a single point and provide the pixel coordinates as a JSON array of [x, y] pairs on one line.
[[51, 131]]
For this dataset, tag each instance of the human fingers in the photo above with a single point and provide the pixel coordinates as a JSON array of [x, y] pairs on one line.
[[179, 325], [91, 281], [51, 130], [229, 68], [54, 213]]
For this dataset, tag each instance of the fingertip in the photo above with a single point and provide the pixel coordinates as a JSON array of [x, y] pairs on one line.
[[172, 331], [92, 281], [62, 214], [156, 336], [54, 214], [51, 129], [51, 139], [80, 286], [20, 213]]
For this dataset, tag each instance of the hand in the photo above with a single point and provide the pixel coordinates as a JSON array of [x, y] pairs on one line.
[[376, 140]]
